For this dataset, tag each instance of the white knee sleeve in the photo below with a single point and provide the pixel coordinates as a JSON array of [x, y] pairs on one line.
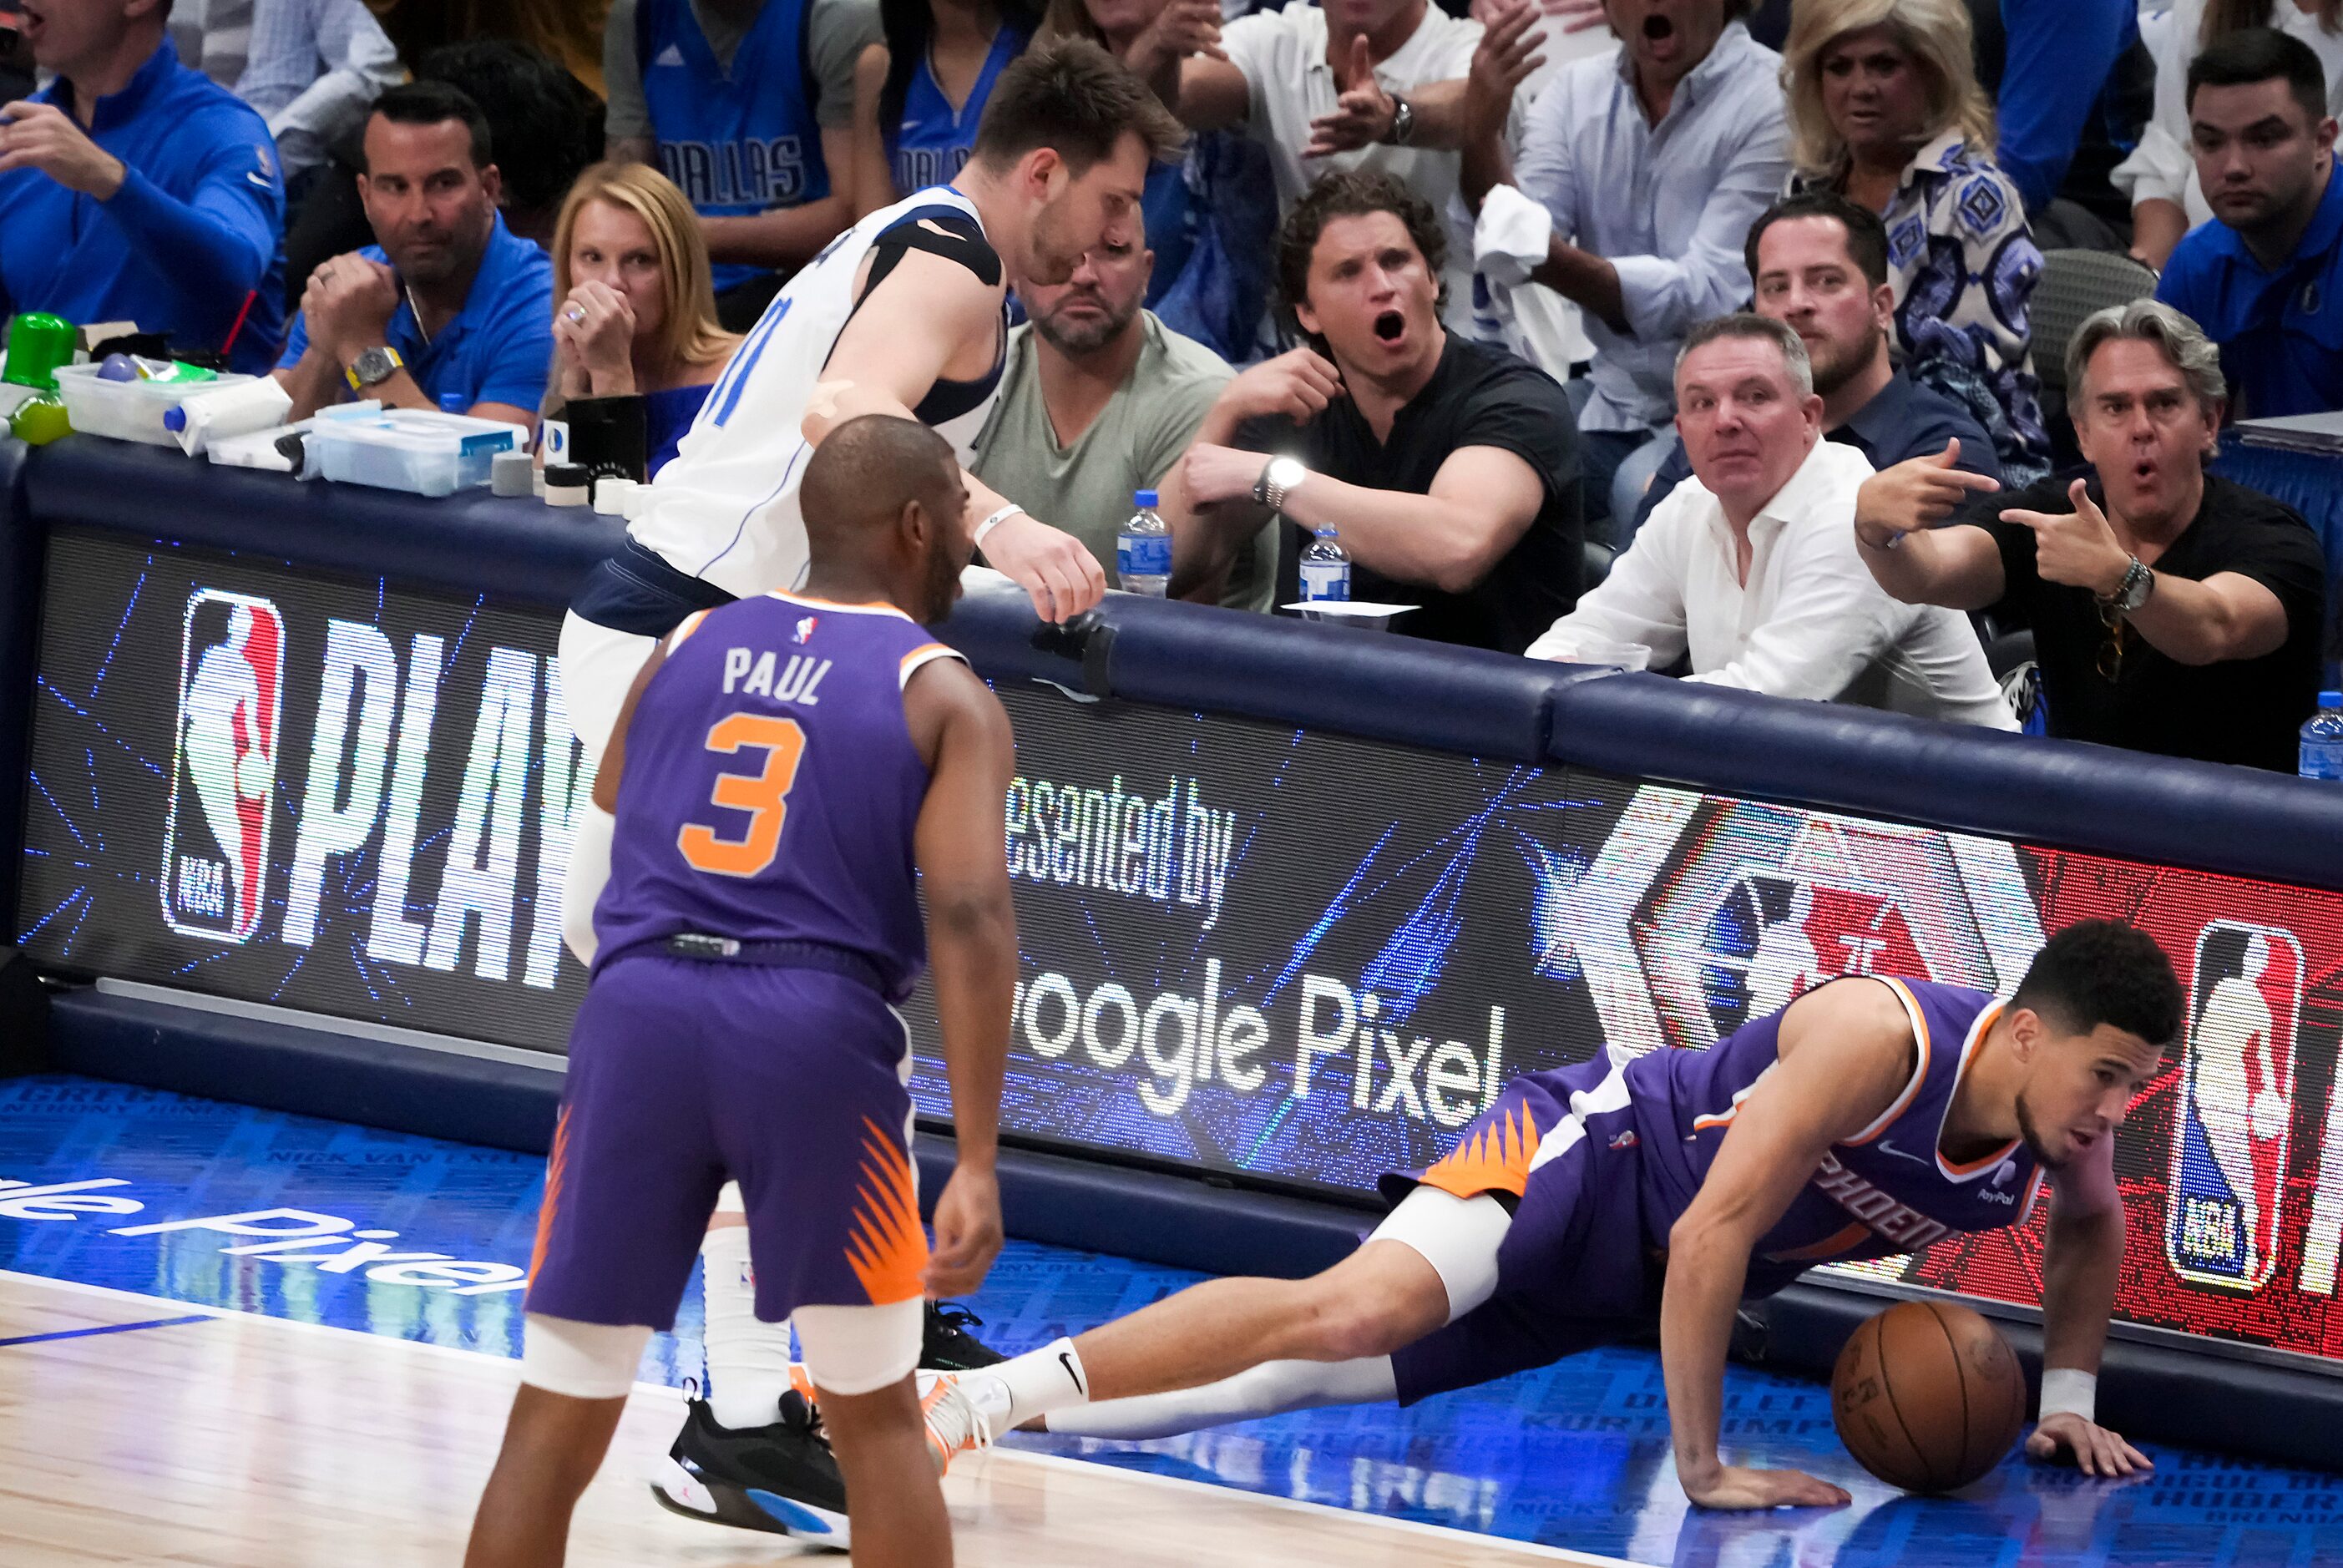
[[1459, 1237], [584, 1360], [861, 1349]]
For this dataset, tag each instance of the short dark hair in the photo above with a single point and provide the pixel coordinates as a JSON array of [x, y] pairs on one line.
[[2104, 971], [1352, 193], [1866, 236], [1072, 96], [2252, 55], [433, 104], [547, 122]]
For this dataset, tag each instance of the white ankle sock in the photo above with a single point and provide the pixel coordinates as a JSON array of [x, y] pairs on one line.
[[748, 1360], [1036, 1383]]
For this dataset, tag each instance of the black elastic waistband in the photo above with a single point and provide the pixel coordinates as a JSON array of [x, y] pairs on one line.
[[698, 947], [636, 590]]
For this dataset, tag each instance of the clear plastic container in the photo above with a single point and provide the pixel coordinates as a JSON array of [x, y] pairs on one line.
[[129, 410], [416, 450]]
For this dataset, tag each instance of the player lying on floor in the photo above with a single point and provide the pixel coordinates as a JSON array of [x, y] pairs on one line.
[[1868, 1117]]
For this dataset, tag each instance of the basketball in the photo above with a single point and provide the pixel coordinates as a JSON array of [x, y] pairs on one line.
[[1928, 1396]]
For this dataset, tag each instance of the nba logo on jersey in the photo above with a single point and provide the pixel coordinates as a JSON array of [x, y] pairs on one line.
[[223, 766], [2237, 1100], [1773, 937], [804, 627]]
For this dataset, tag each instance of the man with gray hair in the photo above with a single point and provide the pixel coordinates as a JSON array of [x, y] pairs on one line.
[[1748, 567], [2172, 610]]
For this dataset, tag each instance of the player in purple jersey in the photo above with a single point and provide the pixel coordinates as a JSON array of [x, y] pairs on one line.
[[790, 775], [1869, 1117]]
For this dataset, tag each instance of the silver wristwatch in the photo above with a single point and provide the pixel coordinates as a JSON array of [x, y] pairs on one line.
[[1281, 475], [372, 365], [1402, 125], [2137, 583]]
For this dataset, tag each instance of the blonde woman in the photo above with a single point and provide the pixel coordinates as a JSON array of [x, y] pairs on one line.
[[2160, 175], [1886, 109], [635, 309]]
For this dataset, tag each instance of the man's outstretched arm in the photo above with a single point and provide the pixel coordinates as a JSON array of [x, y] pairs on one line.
[[900, 343], [1845, 1054]]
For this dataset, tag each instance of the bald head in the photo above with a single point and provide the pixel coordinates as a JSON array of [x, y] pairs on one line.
[[864, 474], [883, 494]]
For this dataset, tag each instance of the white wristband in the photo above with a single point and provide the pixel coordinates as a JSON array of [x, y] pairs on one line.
[[1003, 515], [2067, 1391]]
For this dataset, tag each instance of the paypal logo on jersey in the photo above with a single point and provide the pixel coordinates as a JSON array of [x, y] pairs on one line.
[[752, 172]]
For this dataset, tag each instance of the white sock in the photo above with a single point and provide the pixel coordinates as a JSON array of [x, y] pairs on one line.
[[1269, 1389], [1022, 1387], [748, 1360]]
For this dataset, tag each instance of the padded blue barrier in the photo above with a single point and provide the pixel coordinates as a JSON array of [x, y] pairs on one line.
[[470, 542], [2060, 793]]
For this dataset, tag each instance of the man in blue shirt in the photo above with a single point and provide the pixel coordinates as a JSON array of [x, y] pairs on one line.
[[449, 308], [2261, 278], [134, 189], [1820, 262], [2057, 59]]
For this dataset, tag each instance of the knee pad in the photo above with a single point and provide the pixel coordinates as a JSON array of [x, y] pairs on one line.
[[861, 1349], [583, 1361], [1459, 1237]]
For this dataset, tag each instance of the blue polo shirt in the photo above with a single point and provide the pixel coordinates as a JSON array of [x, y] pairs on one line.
[[2281, 330], [496, 349], [195, 228]]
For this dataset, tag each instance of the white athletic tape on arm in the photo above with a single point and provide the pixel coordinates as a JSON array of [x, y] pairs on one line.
[[2067, 1391]]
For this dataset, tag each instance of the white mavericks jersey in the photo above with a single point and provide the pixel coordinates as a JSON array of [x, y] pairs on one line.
[[725, 507]]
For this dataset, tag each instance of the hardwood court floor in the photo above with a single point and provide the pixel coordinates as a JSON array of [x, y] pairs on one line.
[[239, 1440]]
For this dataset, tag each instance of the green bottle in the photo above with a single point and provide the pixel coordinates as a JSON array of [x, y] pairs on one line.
[[38, 344]]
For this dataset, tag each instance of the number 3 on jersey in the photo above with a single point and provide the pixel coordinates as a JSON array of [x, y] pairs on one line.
[[765, 796]]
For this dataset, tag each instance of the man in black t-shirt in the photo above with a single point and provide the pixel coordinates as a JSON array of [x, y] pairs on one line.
[[1449, 468], [2172, 611]]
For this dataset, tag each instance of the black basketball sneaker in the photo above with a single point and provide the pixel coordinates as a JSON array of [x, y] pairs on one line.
[[780, 1478], [950, 1347]]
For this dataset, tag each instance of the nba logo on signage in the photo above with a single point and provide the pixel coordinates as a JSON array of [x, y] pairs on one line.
[[2237, 1100], [223, 765]]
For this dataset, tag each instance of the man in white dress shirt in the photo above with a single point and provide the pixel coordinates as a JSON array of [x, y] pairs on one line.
[[1750, 565]]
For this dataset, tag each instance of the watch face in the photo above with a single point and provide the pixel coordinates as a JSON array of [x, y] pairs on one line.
[[1286, 472]]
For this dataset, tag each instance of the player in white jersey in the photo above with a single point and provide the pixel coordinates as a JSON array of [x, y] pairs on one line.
[[902, 314]]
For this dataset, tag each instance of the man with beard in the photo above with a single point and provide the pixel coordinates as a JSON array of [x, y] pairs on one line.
[[448, 304], [903, 314], [2265, 278], [1869, 1118], [2173, 611], [1820, 263], [773, 851], [1098, 400], [1748, 572], [1446, 466]]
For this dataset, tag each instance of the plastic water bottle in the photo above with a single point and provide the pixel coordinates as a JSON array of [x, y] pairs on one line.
[[2322, 739], [1325, 568], [1142, 553]]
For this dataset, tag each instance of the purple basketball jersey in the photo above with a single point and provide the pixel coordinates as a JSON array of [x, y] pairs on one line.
[[771, 787], [1888, 1189]]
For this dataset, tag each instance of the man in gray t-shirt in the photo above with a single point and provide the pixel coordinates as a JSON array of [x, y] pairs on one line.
[[1098, 401], [749, 105]]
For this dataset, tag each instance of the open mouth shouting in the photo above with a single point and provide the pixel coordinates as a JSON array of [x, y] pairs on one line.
[[1390, 326]]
